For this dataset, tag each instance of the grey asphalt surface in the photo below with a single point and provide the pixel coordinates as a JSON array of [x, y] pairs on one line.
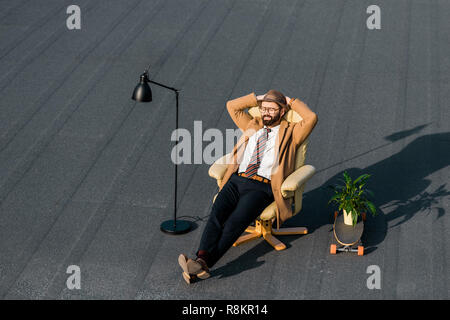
[[86, 176]]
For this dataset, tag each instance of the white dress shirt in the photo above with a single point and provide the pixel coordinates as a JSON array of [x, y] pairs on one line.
[[267, 160]]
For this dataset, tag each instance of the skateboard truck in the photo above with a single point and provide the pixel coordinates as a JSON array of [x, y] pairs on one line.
[[334, 248]]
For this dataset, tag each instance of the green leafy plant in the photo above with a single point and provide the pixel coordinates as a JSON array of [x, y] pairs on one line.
[[352, 196]]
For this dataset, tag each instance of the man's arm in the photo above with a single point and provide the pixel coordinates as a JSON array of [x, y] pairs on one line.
[[303, 128], [237, 110]]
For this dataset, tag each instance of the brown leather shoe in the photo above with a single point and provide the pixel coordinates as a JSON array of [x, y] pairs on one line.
[[203, 264], [192, 269]]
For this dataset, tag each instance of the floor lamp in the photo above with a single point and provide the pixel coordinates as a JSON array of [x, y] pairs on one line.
[[143, 93]]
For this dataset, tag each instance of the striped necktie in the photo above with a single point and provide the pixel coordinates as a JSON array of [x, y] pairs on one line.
[[255, 160]]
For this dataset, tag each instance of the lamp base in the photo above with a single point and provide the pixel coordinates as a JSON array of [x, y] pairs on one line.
[[181, 227]]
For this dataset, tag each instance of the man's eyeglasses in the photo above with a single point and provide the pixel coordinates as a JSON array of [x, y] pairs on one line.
[[269, 110]]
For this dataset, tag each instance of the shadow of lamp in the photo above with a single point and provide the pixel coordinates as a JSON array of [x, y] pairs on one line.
[[143, 93]]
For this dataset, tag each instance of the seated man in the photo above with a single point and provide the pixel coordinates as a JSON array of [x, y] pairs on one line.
[[262, 159]]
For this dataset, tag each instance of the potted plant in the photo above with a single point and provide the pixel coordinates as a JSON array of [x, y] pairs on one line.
[[352, 198]]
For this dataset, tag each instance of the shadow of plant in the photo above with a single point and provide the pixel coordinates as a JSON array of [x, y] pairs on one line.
[[399, 182]]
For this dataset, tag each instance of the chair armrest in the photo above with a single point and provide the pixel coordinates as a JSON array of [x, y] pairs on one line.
[[218, 168], [296, 179]]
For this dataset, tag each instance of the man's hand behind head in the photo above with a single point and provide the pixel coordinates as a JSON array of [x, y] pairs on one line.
[[288, 101]]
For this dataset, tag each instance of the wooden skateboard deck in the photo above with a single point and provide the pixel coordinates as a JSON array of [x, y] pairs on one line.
[[347, 236]]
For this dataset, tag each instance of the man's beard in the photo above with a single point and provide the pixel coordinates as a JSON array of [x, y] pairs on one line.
[[272, 120]]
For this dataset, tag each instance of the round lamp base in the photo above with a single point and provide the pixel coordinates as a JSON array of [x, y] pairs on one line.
[[181, 227]]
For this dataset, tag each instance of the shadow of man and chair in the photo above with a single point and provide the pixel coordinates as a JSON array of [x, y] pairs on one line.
[[399, 184]]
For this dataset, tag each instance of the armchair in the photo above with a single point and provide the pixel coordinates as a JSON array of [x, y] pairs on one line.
[[293, 186]]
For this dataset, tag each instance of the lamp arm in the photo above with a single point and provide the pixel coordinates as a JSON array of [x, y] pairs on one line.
[[145, 75], [161, 85]]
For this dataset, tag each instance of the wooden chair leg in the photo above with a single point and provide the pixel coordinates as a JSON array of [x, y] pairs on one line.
[[274, 242], [287, 231], [246, 238], [250, 229]]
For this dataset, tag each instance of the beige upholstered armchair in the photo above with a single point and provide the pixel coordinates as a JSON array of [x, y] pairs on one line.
[[292, 186]]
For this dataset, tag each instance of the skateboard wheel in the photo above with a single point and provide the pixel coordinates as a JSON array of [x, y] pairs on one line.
[[360, 250], [363, 216], [333, 249]]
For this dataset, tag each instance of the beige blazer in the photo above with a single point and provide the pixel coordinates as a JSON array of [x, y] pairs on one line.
[[290, 136]]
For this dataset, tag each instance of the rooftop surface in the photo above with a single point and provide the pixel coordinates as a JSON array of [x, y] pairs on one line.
[[86, 176]]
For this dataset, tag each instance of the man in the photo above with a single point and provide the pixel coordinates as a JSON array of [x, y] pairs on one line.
[[253, 178]]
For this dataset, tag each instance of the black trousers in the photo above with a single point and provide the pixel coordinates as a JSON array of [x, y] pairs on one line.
[[240, 202]]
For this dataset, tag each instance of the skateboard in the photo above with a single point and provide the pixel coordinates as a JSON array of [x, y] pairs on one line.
[[348, 237]]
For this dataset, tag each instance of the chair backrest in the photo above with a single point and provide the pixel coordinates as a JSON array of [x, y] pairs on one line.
[[300, 155]]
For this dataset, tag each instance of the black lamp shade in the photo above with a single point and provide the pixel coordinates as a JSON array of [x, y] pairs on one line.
[[142, 92]]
